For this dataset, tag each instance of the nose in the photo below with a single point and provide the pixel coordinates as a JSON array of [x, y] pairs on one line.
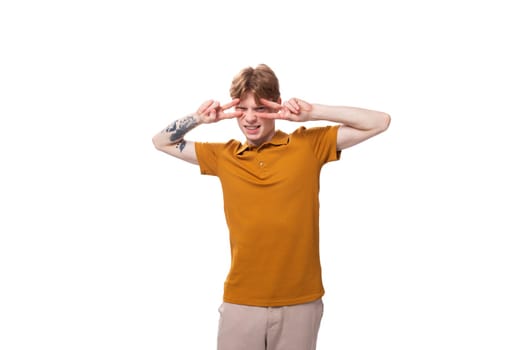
[[250, 116]]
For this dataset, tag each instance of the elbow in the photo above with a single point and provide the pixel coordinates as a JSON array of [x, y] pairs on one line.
[[385, 121], [156, 143]]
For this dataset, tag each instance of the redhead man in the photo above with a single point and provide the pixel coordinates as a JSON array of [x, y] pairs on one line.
[[270, 182]]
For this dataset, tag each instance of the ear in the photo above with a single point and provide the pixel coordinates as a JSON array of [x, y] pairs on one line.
[[279, 100]]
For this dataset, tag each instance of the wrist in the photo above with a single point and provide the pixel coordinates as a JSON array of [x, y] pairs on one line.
[[195, 119], [317, 112]]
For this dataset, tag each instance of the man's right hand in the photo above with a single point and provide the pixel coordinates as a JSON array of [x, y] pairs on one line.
[[211, 111]]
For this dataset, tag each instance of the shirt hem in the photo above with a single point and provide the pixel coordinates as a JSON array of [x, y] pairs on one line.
[[280, 302]]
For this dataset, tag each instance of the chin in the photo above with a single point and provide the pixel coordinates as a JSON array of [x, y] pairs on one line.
[[252, 136], [253, 140]]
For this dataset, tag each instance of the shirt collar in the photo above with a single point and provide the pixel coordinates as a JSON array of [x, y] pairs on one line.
[[278, 139]]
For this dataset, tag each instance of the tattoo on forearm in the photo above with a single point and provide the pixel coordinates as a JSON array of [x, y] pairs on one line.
[[180, 127], [180, 146]]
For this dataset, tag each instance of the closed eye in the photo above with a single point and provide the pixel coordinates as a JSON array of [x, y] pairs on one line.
[[259, 109]]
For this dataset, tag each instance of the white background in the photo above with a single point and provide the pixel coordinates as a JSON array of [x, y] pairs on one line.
[[107, 243]]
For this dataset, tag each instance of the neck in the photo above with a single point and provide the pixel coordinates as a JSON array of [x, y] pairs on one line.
[[257, 143]]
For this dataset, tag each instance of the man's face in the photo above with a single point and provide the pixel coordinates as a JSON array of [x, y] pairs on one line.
[[257, 130]]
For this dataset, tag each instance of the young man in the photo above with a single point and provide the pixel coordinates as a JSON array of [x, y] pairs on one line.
[[270, 183]]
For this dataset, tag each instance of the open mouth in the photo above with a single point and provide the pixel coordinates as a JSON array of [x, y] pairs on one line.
[[252, 128]]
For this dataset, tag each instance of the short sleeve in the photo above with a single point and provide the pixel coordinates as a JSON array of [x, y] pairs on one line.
[[207, 157], [323, 141]]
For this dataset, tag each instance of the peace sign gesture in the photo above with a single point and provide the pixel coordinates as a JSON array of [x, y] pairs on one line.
[[294, 110], [211, 111]]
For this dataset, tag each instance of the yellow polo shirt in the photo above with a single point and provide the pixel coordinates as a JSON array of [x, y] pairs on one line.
[[271, 205]]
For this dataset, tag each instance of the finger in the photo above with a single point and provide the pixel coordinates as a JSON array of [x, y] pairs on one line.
[[293, 108], [204, 106], [212, 107], [295, 103], [269, 115], [270, 104], [229, 105], [231, 115]]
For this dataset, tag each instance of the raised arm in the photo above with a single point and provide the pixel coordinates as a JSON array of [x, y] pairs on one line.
[[357, 124], [171, 140]]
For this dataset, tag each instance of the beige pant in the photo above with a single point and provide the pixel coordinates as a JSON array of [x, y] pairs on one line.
[[269, 328]]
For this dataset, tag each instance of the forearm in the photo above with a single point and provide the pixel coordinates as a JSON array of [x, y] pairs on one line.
[[354, 117], [174, 133]]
